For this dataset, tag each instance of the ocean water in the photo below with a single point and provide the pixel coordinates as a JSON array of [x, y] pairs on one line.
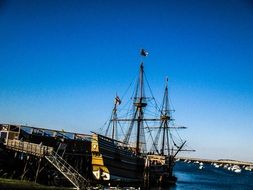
[[190, 177]]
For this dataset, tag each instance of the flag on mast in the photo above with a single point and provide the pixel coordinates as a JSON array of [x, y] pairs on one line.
[[117, 100], [144, 52]]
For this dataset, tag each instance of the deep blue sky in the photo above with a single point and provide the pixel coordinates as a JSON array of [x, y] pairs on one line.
[[61, 63]]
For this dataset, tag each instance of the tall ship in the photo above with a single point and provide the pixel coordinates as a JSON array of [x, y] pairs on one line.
[[136, 145]]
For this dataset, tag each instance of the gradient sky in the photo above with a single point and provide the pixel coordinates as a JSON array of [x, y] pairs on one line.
[[61, 63]]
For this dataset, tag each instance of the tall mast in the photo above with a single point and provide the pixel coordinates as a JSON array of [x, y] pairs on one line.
[[113, 120], [140, 104], [165, 117]]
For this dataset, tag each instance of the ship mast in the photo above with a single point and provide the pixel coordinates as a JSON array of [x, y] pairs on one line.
[[113, 120], [139, 104], [165, 118], [114, 123]]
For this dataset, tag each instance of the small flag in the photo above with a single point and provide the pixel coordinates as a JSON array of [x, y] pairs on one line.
[[117, 100], [144, 52]]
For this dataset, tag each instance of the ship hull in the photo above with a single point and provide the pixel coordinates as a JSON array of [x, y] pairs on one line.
[[112, 162]]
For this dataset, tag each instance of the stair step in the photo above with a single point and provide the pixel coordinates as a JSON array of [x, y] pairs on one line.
[[68, 171]]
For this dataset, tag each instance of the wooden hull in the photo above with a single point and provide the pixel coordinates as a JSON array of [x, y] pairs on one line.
[[115, 163]]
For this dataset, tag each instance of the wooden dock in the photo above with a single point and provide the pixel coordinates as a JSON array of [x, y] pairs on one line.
[[29, 148], [34, 148]]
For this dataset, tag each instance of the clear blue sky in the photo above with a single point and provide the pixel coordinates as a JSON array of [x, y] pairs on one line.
[[61, 63]]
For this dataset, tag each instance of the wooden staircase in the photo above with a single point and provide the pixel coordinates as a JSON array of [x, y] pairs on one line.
[[68, 171]]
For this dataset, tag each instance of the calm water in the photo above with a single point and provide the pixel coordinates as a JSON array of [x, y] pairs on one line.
[[190, 177]]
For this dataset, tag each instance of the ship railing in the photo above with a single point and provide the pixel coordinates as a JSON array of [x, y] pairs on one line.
[[108, 143]]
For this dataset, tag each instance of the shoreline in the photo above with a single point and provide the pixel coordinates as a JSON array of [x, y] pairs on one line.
[[12, 184], [220, 161]]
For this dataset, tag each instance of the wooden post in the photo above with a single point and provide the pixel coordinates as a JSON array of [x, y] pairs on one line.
[[38, 169], [25, 170], [146, 175]]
